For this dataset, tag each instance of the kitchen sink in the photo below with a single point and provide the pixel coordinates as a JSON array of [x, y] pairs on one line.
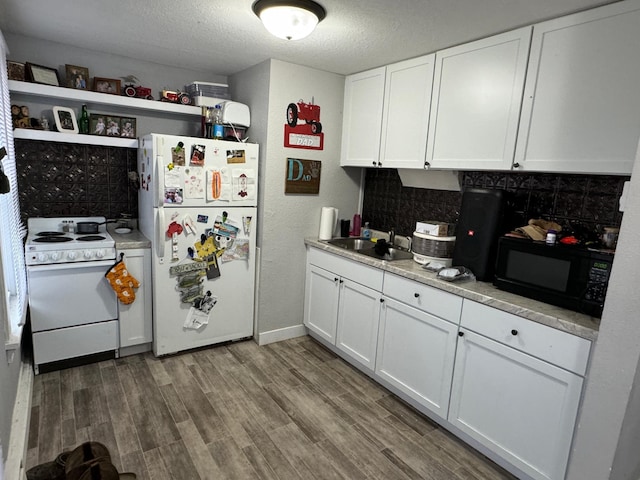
[[394, 254], [366, 247], [351, 243]]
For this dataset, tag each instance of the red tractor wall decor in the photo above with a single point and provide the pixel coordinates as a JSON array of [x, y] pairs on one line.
[[307, 112]]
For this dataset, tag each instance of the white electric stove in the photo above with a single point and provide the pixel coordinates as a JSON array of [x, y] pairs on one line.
[[73, 309]]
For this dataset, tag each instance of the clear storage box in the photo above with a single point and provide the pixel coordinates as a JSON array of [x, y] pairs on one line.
[[207, 89]]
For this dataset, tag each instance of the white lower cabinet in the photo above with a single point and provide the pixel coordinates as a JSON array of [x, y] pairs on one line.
[[416, 353], [342, 305], [511, 385], [520, 407], [135, 319]]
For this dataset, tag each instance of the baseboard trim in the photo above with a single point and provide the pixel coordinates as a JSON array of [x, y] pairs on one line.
[[281, 334], [17, 454]]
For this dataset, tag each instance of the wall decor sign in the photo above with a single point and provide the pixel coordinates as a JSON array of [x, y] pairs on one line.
[[303, 128], [303, 176]]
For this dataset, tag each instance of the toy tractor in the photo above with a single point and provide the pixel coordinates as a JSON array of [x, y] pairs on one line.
[[175, 97], [137, 91], [307, 112]]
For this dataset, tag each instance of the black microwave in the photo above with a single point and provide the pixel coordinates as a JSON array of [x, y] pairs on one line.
[[568, 276]]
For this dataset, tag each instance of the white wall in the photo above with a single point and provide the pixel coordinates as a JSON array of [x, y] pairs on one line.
[[288, 219], [610, 418]]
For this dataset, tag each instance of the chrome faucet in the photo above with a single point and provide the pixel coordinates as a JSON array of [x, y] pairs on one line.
[[392, 237], [410, 242]]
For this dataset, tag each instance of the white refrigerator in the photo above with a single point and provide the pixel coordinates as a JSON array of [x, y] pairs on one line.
[[197, 205]]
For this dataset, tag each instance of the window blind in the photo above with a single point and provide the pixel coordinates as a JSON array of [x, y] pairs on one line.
[[12, 230]]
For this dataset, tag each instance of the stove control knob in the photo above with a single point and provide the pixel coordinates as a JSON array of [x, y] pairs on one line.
[[88, 254], [55, 256], [43, 257], [100, 254], [72, 255]]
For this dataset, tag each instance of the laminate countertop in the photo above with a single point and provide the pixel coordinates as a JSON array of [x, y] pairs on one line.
[[128, 241], [486, 293]]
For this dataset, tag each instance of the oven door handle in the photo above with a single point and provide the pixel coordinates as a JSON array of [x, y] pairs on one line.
[[160, 232], [70, 266]]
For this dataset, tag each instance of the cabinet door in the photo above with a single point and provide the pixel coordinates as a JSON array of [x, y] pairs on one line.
[[405, 118], [477, 93], [416, 354], [135, 319], [362, 118], [520, 407], [321, 302], [358, 317], [581, 102]]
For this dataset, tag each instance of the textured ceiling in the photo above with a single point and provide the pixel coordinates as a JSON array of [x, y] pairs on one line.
[[225, 37]]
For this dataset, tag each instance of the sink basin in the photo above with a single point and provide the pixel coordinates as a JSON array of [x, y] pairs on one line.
[[394, 254], [352, 243]]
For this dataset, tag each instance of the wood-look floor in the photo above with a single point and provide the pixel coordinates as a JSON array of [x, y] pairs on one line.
[[287, 410]]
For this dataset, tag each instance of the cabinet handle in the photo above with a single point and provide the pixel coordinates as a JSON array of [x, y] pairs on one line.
[[427, 164], [461, 334], [374, 163], [341, 281], [516, 165], [514, 332], [335, 279], [416, 295], [379, 164], [382, 300]]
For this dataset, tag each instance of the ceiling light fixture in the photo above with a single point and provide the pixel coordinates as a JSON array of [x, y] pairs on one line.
[[289, 19]]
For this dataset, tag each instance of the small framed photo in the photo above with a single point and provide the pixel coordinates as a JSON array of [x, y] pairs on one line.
[[65, 120], [15, 70], [97, 124], [128, 127], [113, 126], [39, 74], [77, 77], [106, 85]]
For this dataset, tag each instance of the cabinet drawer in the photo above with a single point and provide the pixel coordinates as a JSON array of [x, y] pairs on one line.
[[363, 274], [559, 348], [423, 297]]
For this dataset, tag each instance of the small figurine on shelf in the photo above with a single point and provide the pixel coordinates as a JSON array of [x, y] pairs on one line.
[[44, 123], [20, 116], [132, 90], [175, 97]]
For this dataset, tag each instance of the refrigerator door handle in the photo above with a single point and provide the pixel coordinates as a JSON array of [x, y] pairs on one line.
[[159, 176], [160, 232]]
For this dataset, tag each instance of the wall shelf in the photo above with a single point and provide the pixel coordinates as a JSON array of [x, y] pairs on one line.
[[96, 98], [49, 136]]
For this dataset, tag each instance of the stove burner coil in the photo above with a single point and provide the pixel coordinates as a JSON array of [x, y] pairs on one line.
[[49, 234], [91, 238], [52, 239]]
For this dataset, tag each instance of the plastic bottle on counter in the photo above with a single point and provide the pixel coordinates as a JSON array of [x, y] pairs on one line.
[[366, 232], [551, 237], [356, 225], [218, 127]]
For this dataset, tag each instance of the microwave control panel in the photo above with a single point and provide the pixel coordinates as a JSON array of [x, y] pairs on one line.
[[598, 281]]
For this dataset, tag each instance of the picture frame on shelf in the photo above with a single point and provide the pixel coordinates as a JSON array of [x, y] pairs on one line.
[[113, 126], [128, 127], [16, 71], [77, 77], [41, 74], [65, 119], [97, 124], [106, 85]]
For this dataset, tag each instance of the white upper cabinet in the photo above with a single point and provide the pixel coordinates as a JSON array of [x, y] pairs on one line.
[[477, 94], [581, 105], [362, 118], [386, 115], [405, 117]]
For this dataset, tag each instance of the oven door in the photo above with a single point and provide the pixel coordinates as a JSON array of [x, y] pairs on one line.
[[65, 295]]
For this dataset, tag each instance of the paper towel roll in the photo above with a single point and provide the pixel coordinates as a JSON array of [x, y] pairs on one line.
[[328, 219]]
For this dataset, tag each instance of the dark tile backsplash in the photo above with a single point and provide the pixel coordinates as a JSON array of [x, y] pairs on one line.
[[584, 203], [66, 179]]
